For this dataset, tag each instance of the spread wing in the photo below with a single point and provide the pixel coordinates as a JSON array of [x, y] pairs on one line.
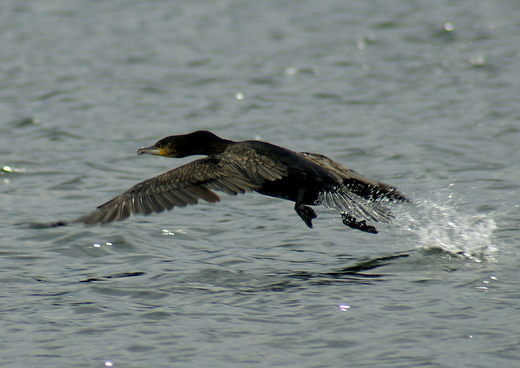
[[357, 183], [227, 172]]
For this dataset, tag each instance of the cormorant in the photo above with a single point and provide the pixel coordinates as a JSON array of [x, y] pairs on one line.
[[308, 179]]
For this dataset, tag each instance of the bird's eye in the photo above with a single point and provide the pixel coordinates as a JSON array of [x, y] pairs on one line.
[[158, 145]]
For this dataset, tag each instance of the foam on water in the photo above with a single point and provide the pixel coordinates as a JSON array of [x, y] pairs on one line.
[[440, 222]]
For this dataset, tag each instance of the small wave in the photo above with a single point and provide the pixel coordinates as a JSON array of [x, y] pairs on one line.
[[439, 222]]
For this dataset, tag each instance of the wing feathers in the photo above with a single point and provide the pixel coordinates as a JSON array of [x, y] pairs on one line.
[[355, 182], [345, 201], [186, 185]]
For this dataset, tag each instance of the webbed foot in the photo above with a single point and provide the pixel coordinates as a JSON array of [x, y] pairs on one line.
[[306, 213], [351, 222]]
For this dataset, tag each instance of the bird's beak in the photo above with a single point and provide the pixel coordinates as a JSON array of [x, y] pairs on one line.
[[151, 151]]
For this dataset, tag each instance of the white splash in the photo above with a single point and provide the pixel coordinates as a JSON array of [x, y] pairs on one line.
[[440, 223]]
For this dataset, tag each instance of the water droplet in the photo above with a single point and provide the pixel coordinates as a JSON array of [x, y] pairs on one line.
[[449, 27], [477, 60], [291, 70]]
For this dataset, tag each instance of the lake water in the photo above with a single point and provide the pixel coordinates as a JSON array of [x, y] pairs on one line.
[[422, 95]]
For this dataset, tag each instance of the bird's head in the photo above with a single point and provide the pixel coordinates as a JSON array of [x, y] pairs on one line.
[[200, 142]]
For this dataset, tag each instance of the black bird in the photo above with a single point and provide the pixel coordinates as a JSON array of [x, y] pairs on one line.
[[308, 179]]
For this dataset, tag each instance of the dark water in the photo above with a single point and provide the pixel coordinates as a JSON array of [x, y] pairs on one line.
[[421, 95]]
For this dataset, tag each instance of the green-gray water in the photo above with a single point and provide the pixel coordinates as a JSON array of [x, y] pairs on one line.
[[422, 95]]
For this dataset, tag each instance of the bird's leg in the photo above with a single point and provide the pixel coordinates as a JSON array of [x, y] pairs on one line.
[[351, 222], [305, 212]]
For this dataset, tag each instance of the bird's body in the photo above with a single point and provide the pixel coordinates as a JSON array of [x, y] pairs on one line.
[[307, 179]]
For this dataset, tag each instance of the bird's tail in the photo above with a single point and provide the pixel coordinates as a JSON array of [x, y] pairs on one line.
[[343, 200]]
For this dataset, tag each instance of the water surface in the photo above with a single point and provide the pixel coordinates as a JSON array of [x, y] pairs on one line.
[[423, 96]]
